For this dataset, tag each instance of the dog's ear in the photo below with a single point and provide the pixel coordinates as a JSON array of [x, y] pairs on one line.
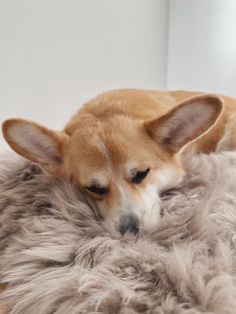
[[185, 122], [36, 143]]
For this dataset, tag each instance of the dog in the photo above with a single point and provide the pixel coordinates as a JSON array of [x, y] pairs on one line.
[[124, 147]]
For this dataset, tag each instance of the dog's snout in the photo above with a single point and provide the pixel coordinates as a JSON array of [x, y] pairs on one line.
[[129, 223]]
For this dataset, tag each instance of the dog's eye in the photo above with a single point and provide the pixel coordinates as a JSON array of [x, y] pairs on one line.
[[140, 176], [97, 190]]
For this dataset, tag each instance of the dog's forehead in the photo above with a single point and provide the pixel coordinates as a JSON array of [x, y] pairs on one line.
[[108, 147], [105, 147], [110, 138]]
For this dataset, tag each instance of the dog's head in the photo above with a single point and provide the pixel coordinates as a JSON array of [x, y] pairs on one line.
[[122, 162]]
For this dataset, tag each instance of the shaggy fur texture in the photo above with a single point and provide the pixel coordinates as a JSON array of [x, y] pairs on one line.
[[57, 257]]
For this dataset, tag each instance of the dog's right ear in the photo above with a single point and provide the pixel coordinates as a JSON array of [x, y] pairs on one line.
[[36, 143]]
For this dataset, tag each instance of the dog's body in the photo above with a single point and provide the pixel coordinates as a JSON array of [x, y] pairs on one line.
[[145, 105], [123, 147]]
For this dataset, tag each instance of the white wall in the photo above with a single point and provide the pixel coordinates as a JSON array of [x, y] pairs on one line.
[[55, 54], [202, 45]]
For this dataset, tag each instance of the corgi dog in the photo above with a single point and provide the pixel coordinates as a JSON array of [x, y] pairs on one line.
[[124, 146]]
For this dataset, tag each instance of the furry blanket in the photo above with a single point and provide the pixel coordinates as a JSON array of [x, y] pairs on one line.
[[56, 257]]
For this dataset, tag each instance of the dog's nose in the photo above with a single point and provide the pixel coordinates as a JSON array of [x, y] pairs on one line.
[[129, 223]]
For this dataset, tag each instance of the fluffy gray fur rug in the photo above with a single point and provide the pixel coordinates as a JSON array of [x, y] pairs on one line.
[[56, 257]]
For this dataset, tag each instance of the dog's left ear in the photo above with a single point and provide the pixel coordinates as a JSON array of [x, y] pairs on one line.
[[185, 122]]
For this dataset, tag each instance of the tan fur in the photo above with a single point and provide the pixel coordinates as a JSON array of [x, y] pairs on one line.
[[120, 128], [3, 308], [142, 104]]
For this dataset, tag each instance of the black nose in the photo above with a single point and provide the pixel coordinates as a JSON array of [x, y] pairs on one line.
[[129, 223]]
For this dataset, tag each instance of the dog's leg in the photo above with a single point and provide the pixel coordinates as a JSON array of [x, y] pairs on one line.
[[228, 141]]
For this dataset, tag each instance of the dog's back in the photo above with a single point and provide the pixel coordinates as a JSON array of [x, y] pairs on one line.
[[143, 105]]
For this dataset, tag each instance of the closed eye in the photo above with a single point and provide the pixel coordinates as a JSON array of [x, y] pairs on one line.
[[140, 176], [97, 190]]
